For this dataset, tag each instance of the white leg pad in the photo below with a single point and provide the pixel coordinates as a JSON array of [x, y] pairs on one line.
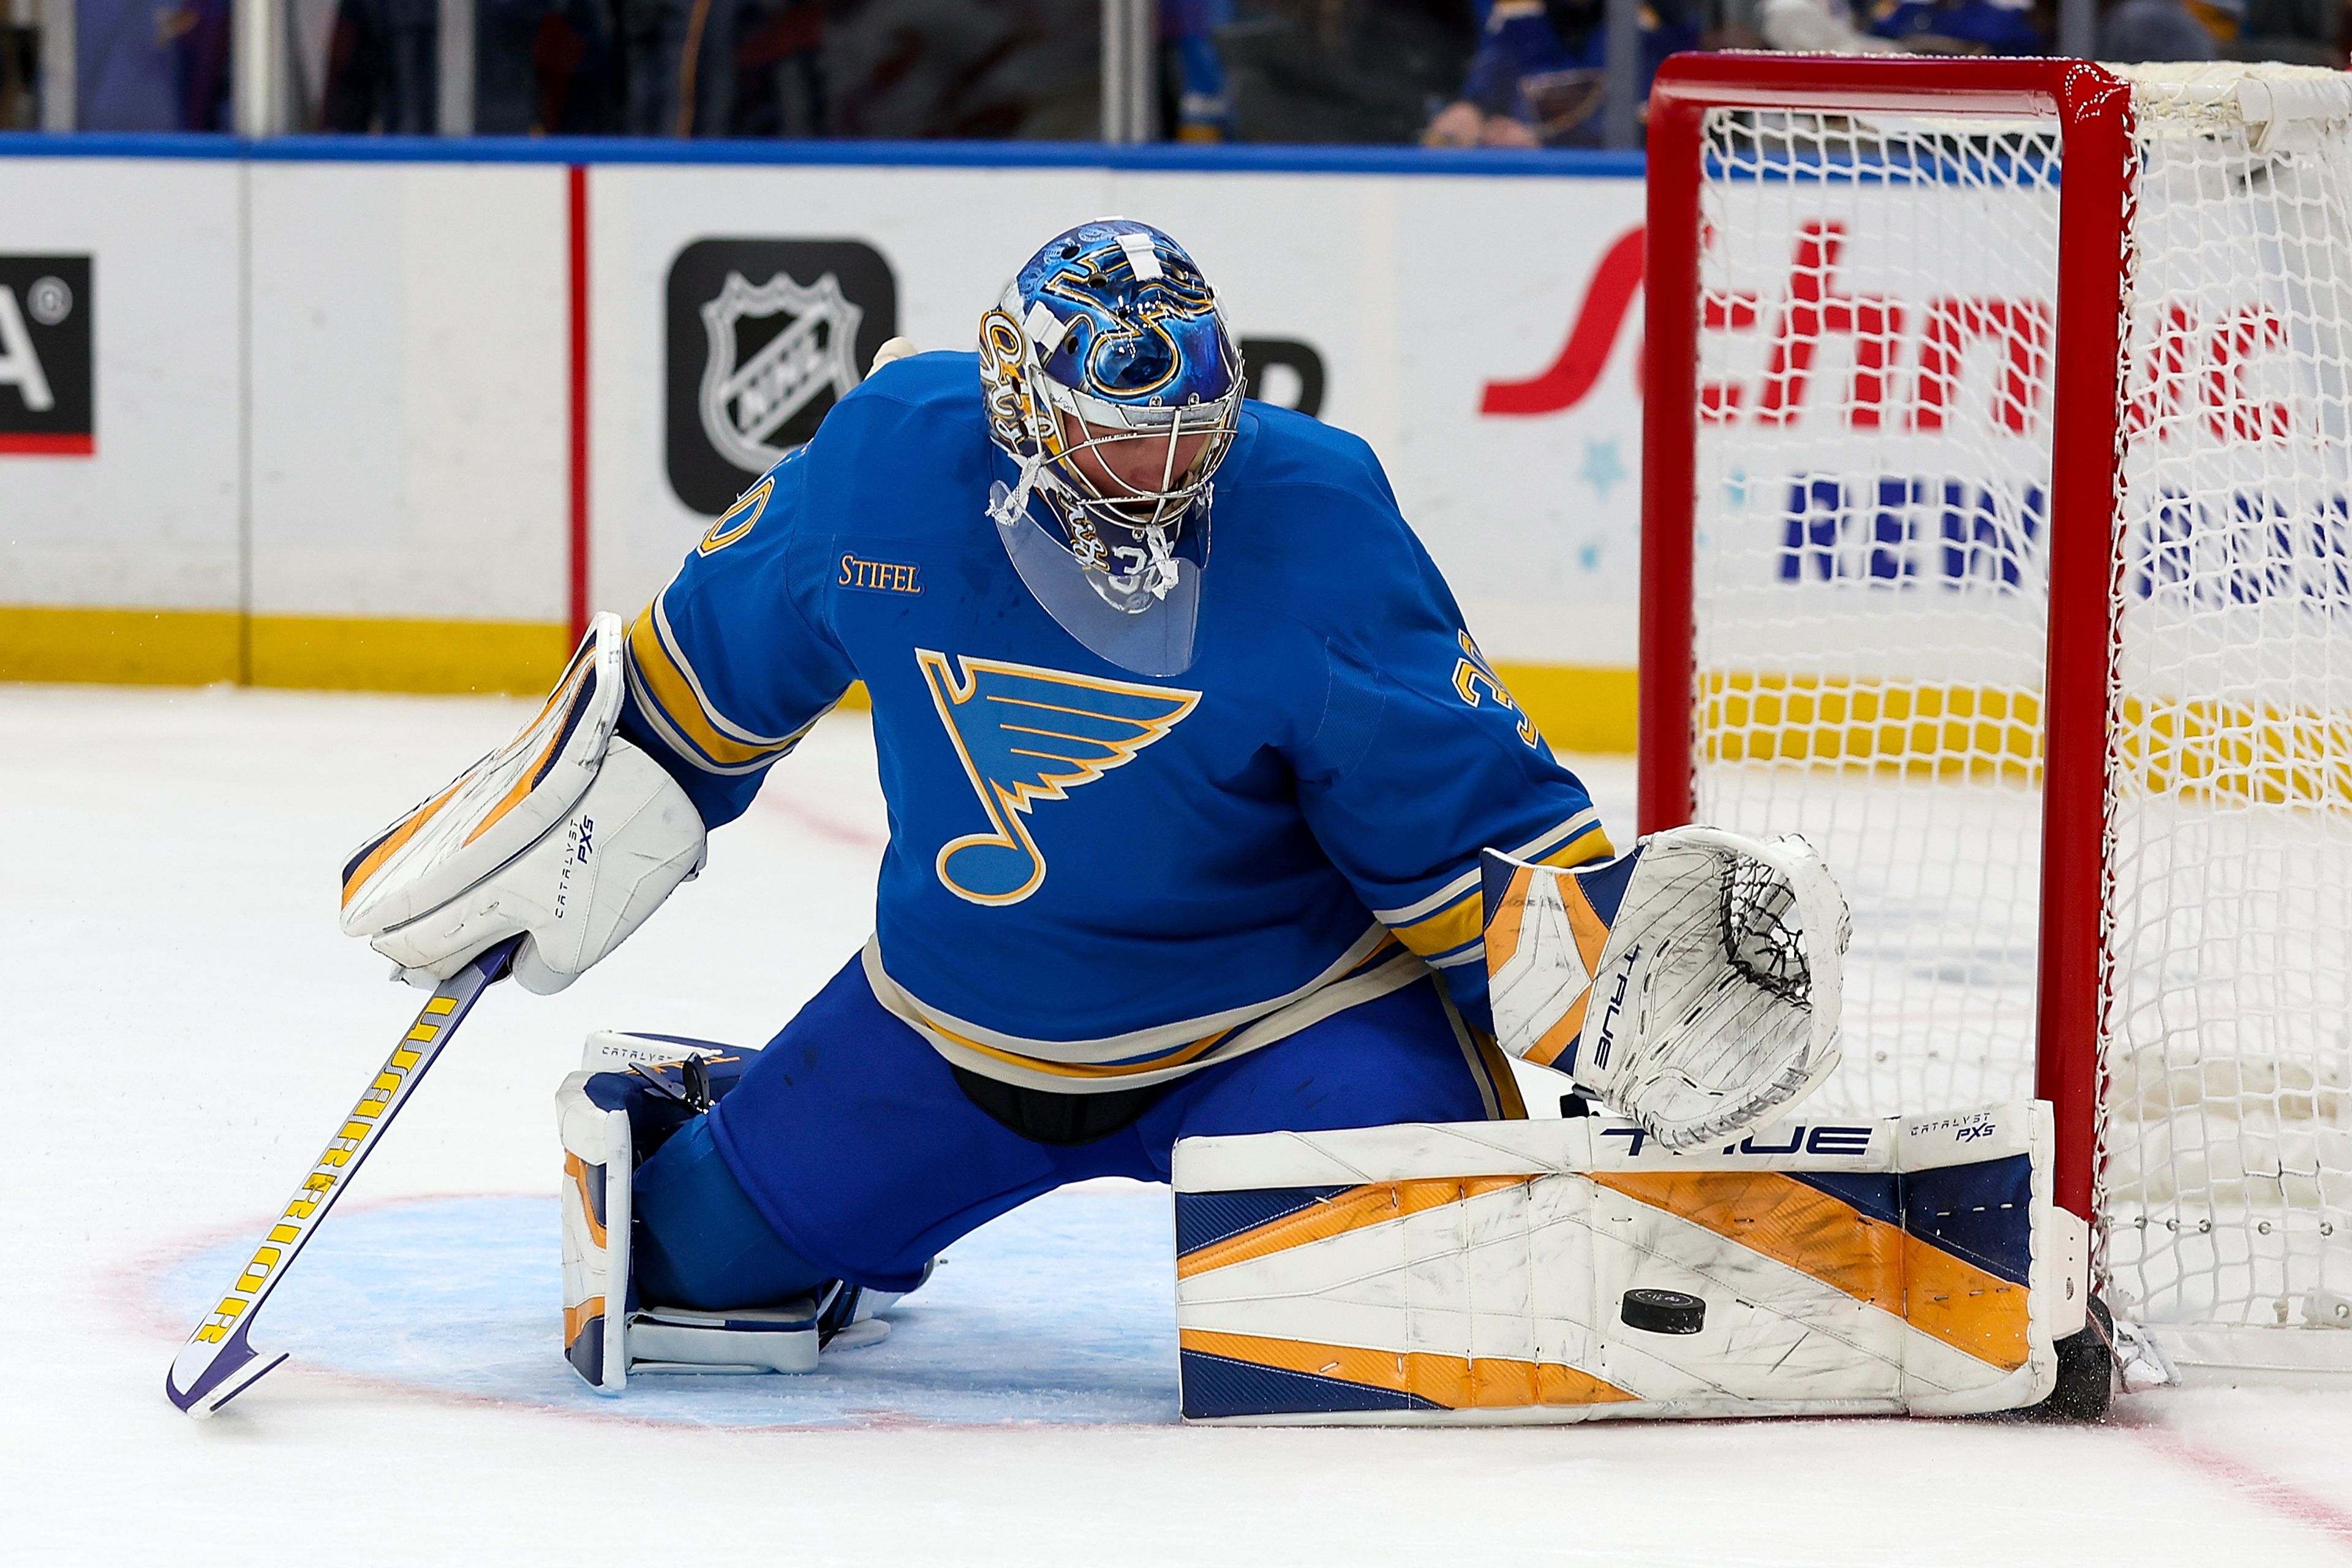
[[1487, 1273], [597, 1163], [608, 1334]]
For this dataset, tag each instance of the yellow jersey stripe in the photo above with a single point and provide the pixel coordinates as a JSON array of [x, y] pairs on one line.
[[1177, 1058], [1539, 849], [661, 679]]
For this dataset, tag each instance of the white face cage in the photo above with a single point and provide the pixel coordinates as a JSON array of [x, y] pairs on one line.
[[1076, 424]]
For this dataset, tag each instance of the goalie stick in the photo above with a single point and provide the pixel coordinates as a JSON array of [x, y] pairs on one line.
[[219, 1363]]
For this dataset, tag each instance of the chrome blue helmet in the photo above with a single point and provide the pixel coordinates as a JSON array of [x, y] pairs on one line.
[[1110, 336]]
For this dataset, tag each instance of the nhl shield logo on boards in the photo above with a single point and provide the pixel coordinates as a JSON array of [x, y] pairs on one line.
[[765, 336], [747, 399]]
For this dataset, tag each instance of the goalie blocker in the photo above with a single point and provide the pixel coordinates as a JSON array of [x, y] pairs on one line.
[[567, 836], [1569, 1270]]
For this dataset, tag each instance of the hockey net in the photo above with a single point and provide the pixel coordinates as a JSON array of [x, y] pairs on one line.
[[1866, 654]]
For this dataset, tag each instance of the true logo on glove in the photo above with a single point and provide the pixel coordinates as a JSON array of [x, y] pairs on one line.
[[1606, 1036]]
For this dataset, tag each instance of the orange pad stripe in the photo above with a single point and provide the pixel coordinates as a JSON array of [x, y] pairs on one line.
[[395, 838], [1969, 1310], [1452, 1381], [1503, 936], [576, 1318], [531, 775], [575, 1168], [1945, 1297], [1556, 1041], [1591, 932], [1352, 1210]]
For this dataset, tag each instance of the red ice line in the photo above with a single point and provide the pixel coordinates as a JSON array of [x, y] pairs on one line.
[[2279, 1495], [822, 824]]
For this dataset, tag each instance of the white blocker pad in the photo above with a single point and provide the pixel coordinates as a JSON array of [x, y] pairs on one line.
[[567, 836], [1492, 1273], [498, 808]]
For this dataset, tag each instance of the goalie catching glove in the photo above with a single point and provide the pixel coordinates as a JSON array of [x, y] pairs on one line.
[[1691, 983], [568, 835]]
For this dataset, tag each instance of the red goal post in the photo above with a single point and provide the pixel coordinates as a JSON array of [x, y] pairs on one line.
[[2094, 110], [1997, 537]]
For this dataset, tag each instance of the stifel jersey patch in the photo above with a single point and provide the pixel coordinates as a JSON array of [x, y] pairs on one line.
[[1026, 735]]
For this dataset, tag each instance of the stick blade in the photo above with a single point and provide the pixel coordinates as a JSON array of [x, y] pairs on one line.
[[206, 1376]]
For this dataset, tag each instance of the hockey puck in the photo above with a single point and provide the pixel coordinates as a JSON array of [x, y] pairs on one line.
[[1662, 1312]]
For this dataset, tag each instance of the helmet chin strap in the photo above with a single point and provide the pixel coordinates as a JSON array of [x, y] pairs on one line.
[[1008, 506]]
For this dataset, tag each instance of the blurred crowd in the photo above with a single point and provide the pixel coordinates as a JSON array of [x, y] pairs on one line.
[[1538, 77], [1509, 73]]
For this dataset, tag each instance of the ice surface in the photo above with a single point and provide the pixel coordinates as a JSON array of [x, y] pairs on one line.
[[1058, 1312], [185, 1026]]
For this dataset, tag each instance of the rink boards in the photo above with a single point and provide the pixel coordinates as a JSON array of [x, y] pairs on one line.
[[345, 396]]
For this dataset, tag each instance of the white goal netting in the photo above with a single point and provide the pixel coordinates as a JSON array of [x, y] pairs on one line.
[[1878, 331]]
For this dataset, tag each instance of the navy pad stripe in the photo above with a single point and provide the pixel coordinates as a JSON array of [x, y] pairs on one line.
[[1982, 1212], [1218, 1385], [1878, 1196], [1494, 882], [587, 1352], [1204, 1220], [1604, 885]]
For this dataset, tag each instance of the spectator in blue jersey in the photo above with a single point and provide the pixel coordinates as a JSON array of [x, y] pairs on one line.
[[123, 68], [1541, 76], [1962, 27], [1194, 69], [141, 65]]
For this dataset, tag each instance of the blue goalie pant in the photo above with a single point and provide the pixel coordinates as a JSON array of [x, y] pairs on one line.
[[852, 1150]]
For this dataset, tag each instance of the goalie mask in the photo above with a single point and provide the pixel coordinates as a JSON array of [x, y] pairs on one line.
[[1113, 385]]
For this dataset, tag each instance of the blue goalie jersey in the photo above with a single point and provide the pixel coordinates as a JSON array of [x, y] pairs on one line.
[[1097, 881]]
